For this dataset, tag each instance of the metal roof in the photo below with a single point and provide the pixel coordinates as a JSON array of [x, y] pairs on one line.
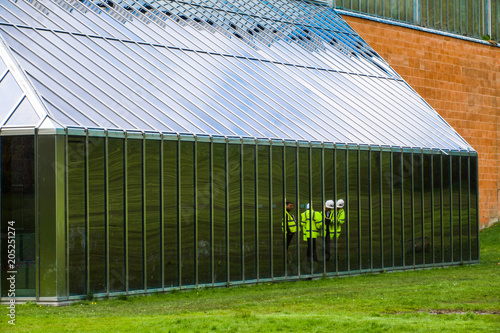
[[269, 69]]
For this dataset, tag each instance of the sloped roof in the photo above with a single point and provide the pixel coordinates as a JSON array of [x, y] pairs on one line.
[[273, 69]]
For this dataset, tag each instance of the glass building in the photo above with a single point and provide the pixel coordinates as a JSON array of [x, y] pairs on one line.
[[151, 145]]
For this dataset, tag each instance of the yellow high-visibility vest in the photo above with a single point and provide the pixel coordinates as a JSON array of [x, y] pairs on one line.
[[291, 225], [311, 229]]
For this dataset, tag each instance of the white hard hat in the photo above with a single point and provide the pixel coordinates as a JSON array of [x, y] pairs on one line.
[[329, 204], [340, 203], [307, 206]]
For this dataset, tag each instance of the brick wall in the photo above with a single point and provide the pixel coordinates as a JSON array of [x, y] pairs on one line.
[[461, 81]]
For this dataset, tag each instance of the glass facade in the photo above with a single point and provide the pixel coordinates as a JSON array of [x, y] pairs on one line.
[[405, 209], [475, 18]]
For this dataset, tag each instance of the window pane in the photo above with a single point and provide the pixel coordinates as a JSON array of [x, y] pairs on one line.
[[264, 249], [438, 213], [364, 214], [292, 196], [446, 176], [97, 221], [352, 215], [419, 244], [329, 184], [304, 199], [219, 198], [153, 214], [456, 218], [187, 224], [318, 203], [387, 221], [474, 227], [116, 192], [235, 206], [250, 212], [134, 215], [18, 205], [76, 216], [171, 206], [203, 212], [376, 204], [397, 192], [408, 240], [341, 185], [464, 207], [428, 216], [278, 207]]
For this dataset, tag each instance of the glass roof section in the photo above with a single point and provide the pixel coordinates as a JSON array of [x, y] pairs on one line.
[[284, 69]]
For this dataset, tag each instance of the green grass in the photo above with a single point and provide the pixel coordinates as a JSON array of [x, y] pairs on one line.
[[455, 299]]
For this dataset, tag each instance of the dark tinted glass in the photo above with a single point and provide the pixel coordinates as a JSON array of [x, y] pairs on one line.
[[204, 212], [219, 216], [171, 207], [187, 217]]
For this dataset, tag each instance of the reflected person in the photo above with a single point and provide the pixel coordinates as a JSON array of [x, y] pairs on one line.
[[340, 216], [311, 226], [290, 227]]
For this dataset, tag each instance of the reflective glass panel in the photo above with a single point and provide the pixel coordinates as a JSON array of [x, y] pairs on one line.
[[341, 193], [235, 212], [203, 213], [329, 188], [427, 210], [97, 217], [376, 205], [187, 218], [308, 246], [77, 232], [365, 210], [171, 208], [294, 241], [387, 206], [116, 193], [397, 208], [278, 211], [250, 212], [447, 216], [456, 208], [437, 208], [353, 216], [318, 204], [464, 207], [18, 206], [474, 215], [219, 223], [420, 243], [135, 215], [153, 214], [408, 239], [263, 202]]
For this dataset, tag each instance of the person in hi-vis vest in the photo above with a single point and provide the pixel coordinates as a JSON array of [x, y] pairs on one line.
[[311, 227], [291, 225], [340, 217], [329, 223]]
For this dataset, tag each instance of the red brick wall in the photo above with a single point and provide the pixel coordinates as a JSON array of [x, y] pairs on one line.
[[461, 81]]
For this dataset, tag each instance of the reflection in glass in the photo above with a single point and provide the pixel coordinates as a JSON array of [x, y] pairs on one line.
[[264, 226], [318, 202], [387, 206], [134, 214], [408, 240], [456, 207], [219, 200], [304, 199], [291, 173], [187, 218], [235, 207], [97, 221], [464, 208], [474, 220], [153, 214], [421, 242], [329, 186], [204, 212], [18, 205], [427, 213], [278, 207], [116, 193], [76, 216], [250, 212], [437, 211], [365, 212], [351, 206], [397, 208], [376, 208], [341, 189], [447, 217], [170, 202]]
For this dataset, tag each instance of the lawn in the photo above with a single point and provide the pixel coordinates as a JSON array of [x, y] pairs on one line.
[[454, 299]]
